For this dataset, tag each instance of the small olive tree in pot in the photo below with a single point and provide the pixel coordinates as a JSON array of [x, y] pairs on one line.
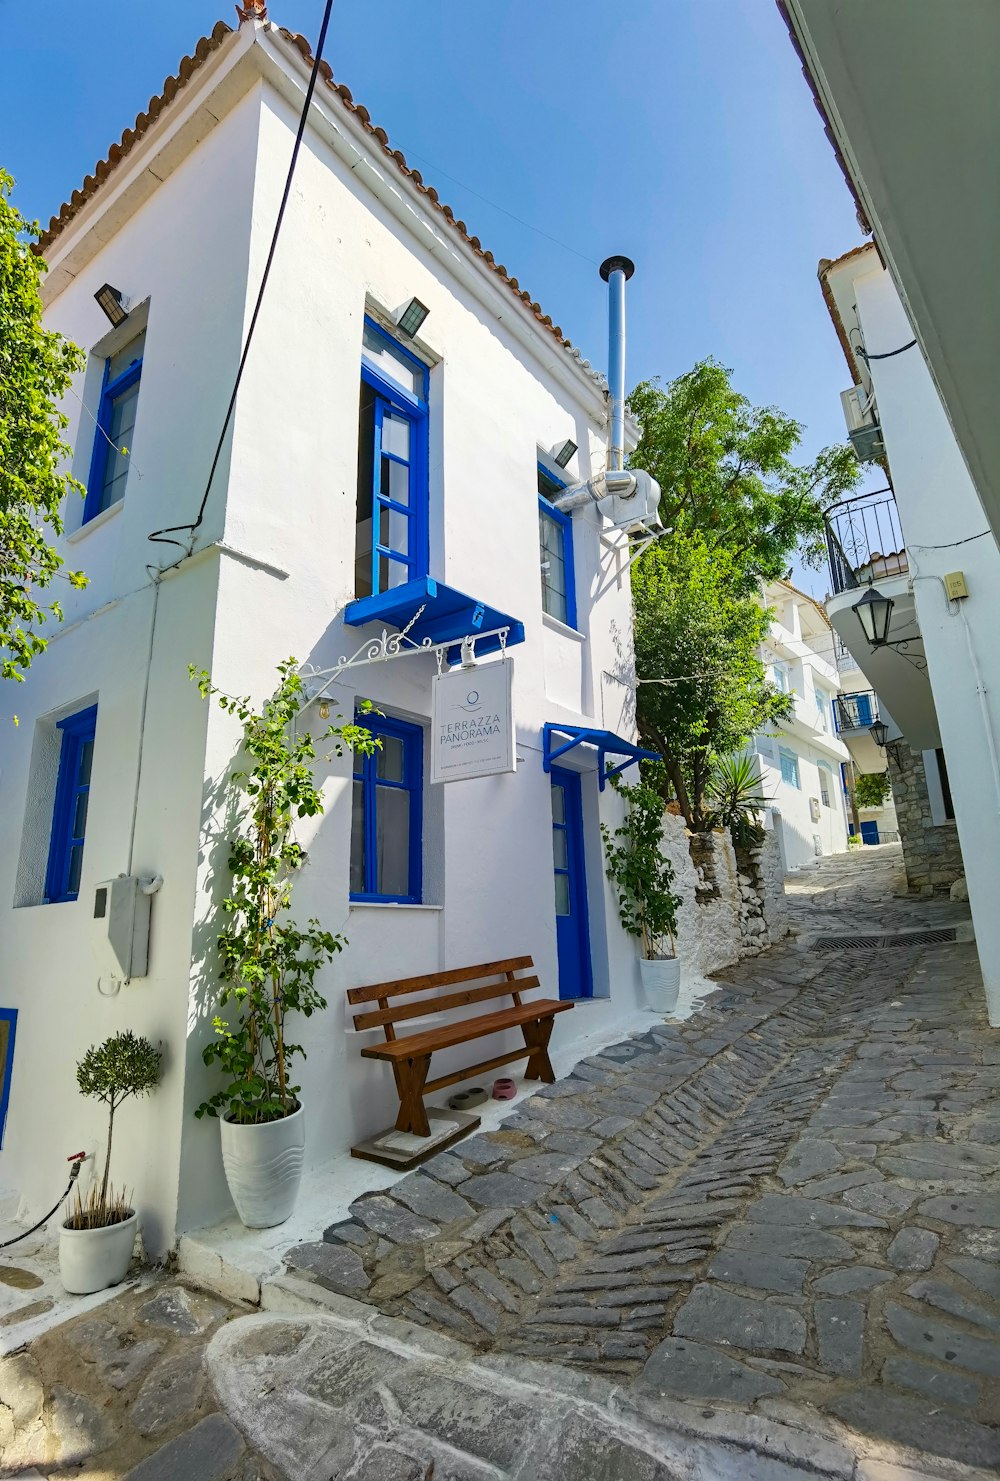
[[642, 875], [268, 962], [97, 1239]]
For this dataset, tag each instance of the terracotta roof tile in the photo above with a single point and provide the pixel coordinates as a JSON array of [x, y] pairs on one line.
[[191, 64]]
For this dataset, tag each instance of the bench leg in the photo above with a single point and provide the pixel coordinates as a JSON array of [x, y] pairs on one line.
[[536, 1038], [410, 1077]]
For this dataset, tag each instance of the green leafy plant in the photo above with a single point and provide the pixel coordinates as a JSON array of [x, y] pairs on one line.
[[734, 788], [36, 369], [269, 963], [854, 840], [872, 788], [637, 868], [112, 1072]]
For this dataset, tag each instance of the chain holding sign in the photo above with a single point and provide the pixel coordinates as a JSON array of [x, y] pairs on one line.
[[472, 722]]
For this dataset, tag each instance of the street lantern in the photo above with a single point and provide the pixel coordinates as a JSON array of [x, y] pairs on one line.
[[879, 733], [874, 612]]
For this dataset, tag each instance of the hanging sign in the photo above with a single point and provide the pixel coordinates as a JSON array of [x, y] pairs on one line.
[[472, 722]]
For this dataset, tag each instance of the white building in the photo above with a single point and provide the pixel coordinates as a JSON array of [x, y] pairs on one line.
[[118, 766], [800, 759], [926, 192], [855, 710]]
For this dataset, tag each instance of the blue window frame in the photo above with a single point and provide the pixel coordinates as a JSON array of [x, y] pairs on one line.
[[115, 425], [392, 518], [8, 1028], [555, 549], [790, 768], [781, 677], [387, 814], [69, 816]]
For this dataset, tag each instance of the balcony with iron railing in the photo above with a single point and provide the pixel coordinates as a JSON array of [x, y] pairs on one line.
[[855, 711], [864, 541]]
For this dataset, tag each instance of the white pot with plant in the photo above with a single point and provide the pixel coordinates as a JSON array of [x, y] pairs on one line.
[[642, 875], [97, 1239], [269, 964]]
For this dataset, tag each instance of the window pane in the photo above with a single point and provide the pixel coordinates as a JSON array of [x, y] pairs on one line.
[[120, 433], [560, 848], [395, 481], [358, 839], [562, 894], [391, 573], [75, 868], [394, 530], [396, 435], [79, 825], [126, 356], [86, 762], [389, 761], [366, 475], [558, 805], [392, 840], [392, 363]]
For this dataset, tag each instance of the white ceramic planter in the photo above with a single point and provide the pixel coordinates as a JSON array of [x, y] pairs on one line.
[[661, 982], [264, 1167], [91, 1259]]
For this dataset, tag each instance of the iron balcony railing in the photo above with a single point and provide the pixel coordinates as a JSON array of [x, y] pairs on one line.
[[864, 541], [855, 711]]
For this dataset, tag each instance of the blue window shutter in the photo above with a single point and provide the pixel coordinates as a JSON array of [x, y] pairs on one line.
[[375, 790], [411, 519], [69, 820], [105, 448]]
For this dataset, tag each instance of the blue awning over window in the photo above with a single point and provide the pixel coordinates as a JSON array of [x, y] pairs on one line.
[[448, 615], [605, 741]]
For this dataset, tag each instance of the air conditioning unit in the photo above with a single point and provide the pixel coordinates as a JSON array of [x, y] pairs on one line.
[[862, 424]]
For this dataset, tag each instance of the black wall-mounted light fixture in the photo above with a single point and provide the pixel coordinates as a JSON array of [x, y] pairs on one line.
[[564, 454], [113, 302], [411, 318], [879, 733], [874, 612]]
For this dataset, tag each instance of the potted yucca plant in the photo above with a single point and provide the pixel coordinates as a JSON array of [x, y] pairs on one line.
[[97, 1239], [642, 875]]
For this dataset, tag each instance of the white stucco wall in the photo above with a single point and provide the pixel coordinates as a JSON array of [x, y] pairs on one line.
[[941, 518], [284, 507]]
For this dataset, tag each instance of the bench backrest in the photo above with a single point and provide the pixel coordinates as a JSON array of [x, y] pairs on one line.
[[389, 1012]]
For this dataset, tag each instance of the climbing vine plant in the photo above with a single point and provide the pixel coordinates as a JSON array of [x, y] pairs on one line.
[[268, 962]]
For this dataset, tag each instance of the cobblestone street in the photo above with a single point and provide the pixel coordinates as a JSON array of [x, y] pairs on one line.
[[761, 1243]]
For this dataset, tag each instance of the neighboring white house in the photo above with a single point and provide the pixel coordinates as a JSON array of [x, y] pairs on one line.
[[929, 326], [800, 759], [856, 709], [118, 766]]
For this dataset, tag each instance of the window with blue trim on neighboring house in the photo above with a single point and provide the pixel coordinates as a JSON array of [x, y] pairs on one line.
[[825, 785], [790, 768], [555, 549], [69, 815], [391, 545], [115, 427], [387, 814], [781, 677]]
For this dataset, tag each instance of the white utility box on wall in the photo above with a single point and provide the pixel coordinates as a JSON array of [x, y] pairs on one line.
[[121, 916]]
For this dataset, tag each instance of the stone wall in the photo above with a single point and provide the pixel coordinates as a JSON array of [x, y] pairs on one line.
[[732, 905], [932, 855]]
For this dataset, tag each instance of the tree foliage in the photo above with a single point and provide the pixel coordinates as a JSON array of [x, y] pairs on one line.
[[123, 1066], [872, 788], [726, 471], [36, 370], [639, 870], [695, 631], [269, 963]]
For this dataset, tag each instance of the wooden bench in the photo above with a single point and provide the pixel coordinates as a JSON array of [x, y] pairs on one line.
[[410, 1056]]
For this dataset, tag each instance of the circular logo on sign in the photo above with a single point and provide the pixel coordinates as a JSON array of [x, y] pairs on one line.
[[472, 697]]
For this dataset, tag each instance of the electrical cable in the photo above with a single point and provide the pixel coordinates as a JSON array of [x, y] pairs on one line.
[[160, 536], [887, 354], [77, 1160], [950, 544]]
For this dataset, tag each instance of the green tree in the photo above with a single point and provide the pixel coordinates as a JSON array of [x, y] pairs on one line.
[[726, 471], [702, 688], [36, 370], [872, 788]]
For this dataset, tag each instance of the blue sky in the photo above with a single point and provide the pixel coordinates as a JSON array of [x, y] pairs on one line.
[[680, 132]]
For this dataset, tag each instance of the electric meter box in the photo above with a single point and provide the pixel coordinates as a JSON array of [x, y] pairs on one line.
[[121, 918]]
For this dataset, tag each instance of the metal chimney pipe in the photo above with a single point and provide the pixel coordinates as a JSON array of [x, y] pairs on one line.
[[616, 272]]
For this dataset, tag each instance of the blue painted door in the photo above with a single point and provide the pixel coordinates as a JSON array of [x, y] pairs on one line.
[[864, 704], [572, 930], [869, 832]]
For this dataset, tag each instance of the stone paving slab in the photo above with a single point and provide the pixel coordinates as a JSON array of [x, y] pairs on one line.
[[785, 1199]]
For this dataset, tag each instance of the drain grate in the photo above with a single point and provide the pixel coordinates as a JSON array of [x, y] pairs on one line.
[[879, 942]]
